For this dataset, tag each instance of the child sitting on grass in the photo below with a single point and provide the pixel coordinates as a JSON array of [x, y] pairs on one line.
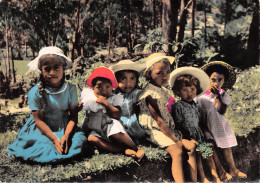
[[187, 83], [214, 104], [102, 115]]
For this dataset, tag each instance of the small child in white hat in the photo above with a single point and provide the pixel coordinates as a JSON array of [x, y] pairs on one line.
[[187, 83]]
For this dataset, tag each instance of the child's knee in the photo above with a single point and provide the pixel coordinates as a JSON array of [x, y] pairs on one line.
[[174, 150], [93, 139]]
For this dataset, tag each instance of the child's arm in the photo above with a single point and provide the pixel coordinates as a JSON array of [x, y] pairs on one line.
[[112, 111], [45, 130], [154, 110], [222, 107]]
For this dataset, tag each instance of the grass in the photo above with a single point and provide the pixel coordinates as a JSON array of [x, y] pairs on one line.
[[20, 66]]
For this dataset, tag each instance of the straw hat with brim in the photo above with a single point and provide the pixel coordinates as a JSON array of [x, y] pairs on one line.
[[196, 72], [127, 65], [34, 64], [102, 72], [156, 57], [231, 74]]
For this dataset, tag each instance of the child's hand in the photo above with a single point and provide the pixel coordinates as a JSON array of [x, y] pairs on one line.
[[57, 145], [64, 144], [102, 100], [189, 144], [214, 90], [180, 144]]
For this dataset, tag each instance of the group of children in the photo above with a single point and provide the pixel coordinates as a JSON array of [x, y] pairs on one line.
[[119, 114]]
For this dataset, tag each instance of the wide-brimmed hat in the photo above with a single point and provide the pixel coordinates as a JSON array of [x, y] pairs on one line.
[[34, 64], [231, 74], [104, 73], [196, 72], [155, 57], [127, 65]]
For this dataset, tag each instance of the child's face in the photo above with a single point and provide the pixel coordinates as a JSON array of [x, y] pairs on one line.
[[128, 82], [216, 80], [187, 93], [103, 88], [52, 72], [160, 74]]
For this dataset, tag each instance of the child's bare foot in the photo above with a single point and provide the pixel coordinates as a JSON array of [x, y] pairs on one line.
[[216, 179], [130, 152], [139, 154], [238, 174], [205, 180], [224, 176]]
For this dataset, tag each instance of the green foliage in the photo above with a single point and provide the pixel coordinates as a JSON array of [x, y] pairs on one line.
[[244, 111], [205, 149]]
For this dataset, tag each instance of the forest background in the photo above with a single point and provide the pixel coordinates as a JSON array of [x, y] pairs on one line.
[[94, 33]]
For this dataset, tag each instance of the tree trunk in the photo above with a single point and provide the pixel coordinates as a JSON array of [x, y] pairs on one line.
[[193, 17], [19, 56], [5, 65], [109, 32], [8, 76], [205, 20], [154, 15], [183, 19], [227, 13], [26, 54], [13, 71], [159, 13], [169, 22], [252, 55]]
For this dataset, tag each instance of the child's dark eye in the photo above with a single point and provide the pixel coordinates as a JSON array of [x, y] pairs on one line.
[[132, 78]]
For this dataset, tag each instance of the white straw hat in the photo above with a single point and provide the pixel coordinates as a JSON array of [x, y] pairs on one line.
[[127, 65], [49, 50], [196, 72], [156, 57]]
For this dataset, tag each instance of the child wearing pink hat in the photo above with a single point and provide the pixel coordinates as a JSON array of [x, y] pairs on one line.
[[102, 115]]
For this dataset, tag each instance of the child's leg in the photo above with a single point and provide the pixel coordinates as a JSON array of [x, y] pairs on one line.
[[231, 164], [191, 146], [211, 165], [102, 144], [201, 170], [223, 175], [130, 147], [177, 169], [124, 139]]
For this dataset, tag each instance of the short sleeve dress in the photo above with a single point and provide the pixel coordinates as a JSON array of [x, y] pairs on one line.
[[91, 107], [30, 144], [153, 133], [129, 117], [187, 117], [217, 123]]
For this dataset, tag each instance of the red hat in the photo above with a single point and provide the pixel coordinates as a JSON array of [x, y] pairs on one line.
[[104, 73]]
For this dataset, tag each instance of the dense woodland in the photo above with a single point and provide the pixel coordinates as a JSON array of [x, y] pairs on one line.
[[194, 31]]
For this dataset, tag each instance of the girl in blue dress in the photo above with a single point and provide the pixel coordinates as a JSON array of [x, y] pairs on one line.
[[50, 134]]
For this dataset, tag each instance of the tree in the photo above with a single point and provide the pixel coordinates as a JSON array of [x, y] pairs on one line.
[[252, 55], [169, 22]]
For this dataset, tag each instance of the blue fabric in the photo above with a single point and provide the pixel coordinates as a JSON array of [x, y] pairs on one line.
[[129, 117], [30, 144]]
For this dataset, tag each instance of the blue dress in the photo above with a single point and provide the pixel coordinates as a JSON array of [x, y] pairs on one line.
[[30, 144], [129, 117]]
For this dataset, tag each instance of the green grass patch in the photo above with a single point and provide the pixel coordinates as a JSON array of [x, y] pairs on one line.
[[20, 67]]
